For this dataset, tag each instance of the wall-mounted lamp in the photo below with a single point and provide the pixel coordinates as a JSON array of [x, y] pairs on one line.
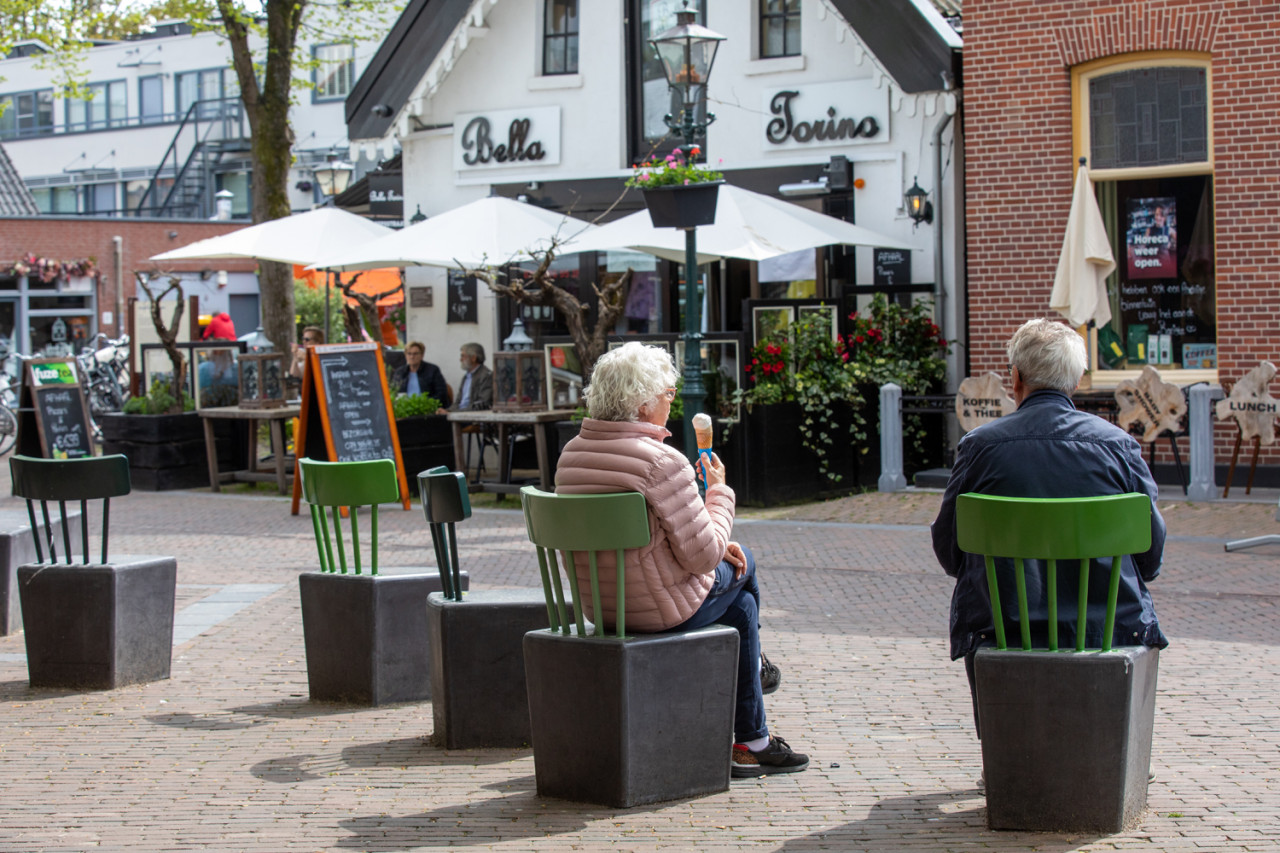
[[918, 205], [382, 110], [418, 217]]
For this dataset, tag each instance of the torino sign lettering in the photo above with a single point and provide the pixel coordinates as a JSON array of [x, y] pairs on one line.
[[837, 114]]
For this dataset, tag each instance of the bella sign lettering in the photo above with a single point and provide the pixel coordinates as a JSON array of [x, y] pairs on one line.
[[525, 137], [826, 114]]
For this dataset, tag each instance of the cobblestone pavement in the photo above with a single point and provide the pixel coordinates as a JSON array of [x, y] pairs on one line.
[[229, 753]]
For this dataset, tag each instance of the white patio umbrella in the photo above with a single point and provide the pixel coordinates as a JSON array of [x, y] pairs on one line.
[[748, 225], [488, 232], [299, 239], [1080, 284]]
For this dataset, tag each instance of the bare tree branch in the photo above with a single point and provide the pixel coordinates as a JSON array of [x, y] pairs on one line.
[[168, 333]]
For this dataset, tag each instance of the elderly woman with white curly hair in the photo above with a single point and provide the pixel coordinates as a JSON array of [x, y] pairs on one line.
[[691, 574]]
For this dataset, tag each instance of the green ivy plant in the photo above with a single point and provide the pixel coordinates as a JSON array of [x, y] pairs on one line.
[[412, 405], [805, 364]]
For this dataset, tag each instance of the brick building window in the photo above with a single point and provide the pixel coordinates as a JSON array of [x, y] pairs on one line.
[[1146, 128]]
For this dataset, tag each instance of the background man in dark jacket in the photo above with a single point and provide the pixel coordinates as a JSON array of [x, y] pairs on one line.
[[416, 376], [1047, 449]]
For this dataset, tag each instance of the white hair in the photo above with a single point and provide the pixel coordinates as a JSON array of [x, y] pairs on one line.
[[627, 378], [1048, 355]]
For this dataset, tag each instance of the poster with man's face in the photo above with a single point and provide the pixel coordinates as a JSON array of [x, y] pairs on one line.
[[1152, 238]]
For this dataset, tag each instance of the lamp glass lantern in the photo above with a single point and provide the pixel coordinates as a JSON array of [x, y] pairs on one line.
[[257, 341], [919, 208], [334, 176], [687, 51]]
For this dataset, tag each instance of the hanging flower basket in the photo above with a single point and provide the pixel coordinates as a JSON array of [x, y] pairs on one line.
[[682, 205]]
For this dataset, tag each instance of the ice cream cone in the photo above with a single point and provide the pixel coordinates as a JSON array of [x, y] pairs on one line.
[[702, 430]]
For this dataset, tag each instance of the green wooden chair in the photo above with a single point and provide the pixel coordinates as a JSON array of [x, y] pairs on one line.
[[365, 632], [1066, 736], [342, 486], [89, 623], [1080, 529], [598, 700], [69, 480], [590, 523]]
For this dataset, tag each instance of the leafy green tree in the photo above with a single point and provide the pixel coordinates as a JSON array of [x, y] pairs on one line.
[[263, 37]]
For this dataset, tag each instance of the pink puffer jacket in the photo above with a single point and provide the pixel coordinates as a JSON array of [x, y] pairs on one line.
[[668, 579]]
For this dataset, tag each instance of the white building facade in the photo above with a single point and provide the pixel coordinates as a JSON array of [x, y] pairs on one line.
[[553, 101]]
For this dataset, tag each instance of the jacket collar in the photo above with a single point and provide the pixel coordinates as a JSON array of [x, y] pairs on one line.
[[593, 428], [1046, 397]]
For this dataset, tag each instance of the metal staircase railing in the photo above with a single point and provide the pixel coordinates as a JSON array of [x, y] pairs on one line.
[[207, 130]]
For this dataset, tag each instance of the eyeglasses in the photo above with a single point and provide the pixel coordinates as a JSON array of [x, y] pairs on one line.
[[670, 394]]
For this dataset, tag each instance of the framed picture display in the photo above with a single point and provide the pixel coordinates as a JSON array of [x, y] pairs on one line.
[[217, 372]]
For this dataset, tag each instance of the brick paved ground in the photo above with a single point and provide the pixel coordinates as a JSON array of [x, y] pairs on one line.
[[229, 754]]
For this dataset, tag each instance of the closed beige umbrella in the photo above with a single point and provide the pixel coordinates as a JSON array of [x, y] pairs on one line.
[[1080, 285]]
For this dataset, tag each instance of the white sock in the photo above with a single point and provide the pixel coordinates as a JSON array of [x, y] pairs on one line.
[[757, 744]]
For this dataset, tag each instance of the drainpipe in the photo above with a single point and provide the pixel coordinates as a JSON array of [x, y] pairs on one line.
[[117, 251], [939, 292]]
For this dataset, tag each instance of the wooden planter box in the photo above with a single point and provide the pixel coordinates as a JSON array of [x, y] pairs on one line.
[[425, 442], [777, 468], [168, 452]]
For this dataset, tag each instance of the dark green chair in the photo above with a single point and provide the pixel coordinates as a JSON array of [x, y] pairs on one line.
[[89, 624], [365, 631], [478, 693], [619, 719], [445, 501], [1066, 735]]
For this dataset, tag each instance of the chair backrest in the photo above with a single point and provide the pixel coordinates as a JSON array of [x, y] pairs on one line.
[[339, 486], [445, 501], [590, 523], [85, 479], [1053, 529]]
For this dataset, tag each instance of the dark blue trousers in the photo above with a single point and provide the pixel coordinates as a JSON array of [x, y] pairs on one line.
[[735, 602]]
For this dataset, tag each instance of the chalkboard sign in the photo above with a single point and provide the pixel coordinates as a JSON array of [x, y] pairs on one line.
[[53, 420], [346, 410], [892, 266], [462, 298]]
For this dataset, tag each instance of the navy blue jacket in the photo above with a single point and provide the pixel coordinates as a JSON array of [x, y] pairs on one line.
[[1047, 449]]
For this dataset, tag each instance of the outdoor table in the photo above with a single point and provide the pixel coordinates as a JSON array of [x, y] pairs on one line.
[[540, 421], [253, 473]]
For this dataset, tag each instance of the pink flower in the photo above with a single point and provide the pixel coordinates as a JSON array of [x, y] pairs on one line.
[[643, 178]]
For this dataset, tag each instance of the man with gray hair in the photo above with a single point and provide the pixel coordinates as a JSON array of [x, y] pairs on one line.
[[1047, 449]]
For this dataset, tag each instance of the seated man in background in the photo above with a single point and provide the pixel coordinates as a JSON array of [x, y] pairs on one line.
[[1047, 449], [476, 390], [311, 335], [417, 376]]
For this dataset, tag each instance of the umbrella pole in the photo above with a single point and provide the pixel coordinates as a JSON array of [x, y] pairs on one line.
[[694, 391], [328, 280]]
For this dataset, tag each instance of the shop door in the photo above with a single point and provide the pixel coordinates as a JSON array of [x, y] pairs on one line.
[[243, 308]]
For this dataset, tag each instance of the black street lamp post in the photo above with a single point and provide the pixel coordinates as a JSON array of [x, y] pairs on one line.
[[687, 52]]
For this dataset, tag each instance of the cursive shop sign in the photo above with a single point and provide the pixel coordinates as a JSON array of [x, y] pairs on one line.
[[529, 136], [826, 114]]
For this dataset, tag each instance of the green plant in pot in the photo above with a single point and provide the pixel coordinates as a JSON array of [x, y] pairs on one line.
[[159, 400], [414, 405]]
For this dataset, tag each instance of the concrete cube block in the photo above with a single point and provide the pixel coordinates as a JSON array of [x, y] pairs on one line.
[[477, 666], [98, 626], [633, 721], [366, 635], [1066, 737]]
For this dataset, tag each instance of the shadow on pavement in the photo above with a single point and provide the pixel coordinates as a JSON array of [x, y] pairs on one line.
[[924, 823], [420, 752], [22, 691], [517, 816]]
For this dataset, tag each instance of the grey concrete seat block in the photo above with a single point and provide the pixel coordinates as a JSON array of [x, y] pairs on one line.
[[1066, 737], [366, 635], [18, 547], [478, 689], [99, 626], [627, 722]]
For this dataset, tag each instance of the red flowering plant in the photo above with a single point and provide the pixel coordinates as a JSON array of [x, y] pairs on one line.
[[677, 168], [829, 375]]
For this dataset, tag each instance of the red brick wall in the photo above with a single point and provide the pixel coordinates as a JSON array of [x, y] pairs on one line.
[[1018, 56], [72, 238]]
